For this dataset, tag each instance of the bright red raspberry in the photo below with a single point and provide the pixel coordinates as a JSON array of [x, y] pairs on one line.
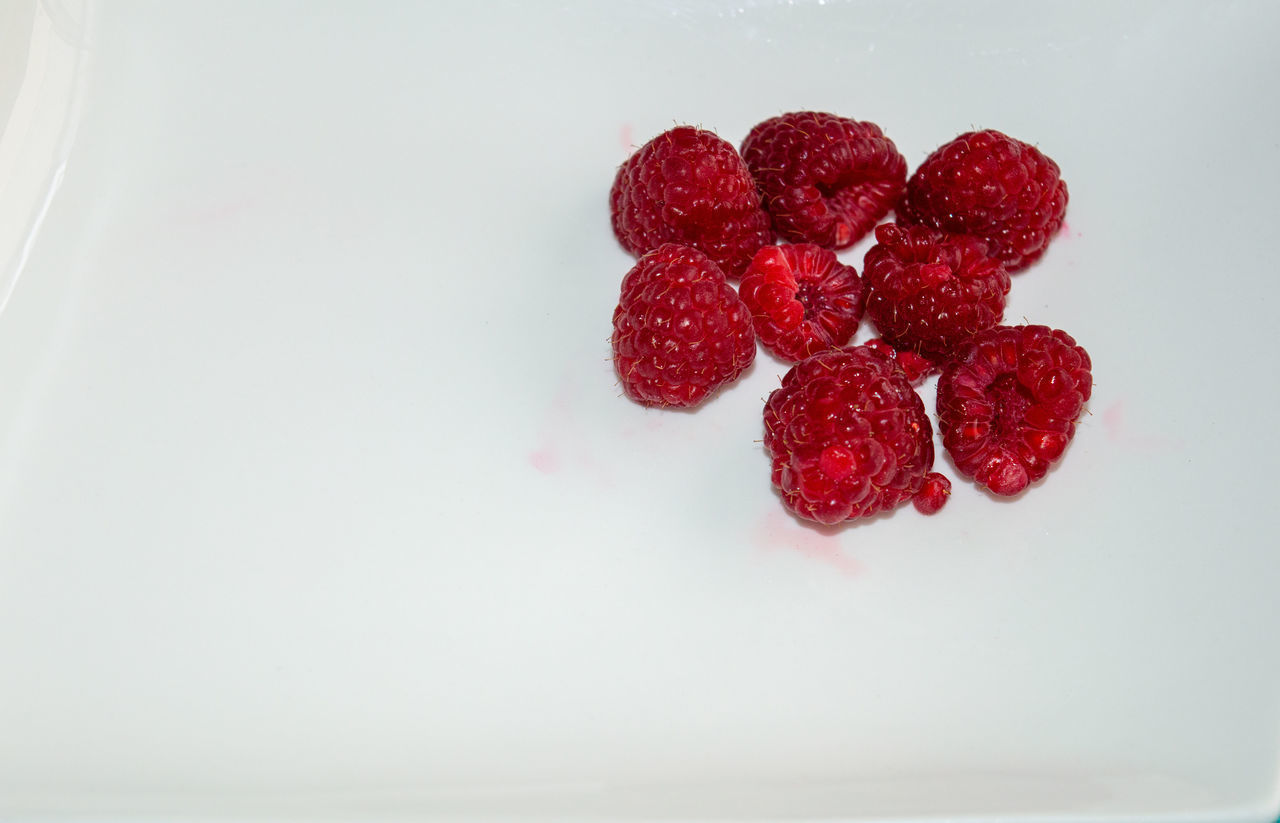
[[847, 435], [915, 367], [928, 292], [992, 186], [933, 494], [825, 179], [690, 187], [680, 331], [1008, 404], [802, 300]]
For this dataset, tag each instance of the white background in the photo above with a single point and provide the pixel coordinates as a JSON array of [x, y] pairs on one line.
[[317, 497]]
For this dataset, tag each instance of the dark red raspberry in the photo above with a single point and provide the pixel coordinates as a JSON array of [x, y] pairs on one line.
[[913, 365], [680, 331], [847, 435], [928, 292], [802, 300], [690, 187], [992, 186], [825, 179], [1008, 404]]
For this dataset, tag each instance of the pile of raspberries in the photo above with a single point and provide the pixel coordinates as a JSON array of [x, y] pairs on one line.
[[847, 433]]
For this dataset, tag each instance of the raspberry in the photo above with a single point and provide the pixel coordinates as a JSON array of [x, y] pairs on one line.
[[915, 367], [690, 187], [680, 331], [847, 435], [802, 300], [929, 291], [825, 179], [992, 186], [1007, 405]]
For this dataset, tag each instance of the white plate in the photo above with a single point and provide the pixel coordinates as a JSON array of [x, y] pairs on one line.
[[317, 496]]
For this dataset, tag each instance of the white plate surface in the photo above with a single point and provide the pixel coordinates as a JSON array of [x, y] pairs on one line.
[[318, 499]]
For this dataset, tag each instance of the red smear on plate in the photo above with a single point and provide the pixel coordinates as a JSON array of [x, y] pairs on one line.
[[779, 531], [545, 460], [1121, 433]]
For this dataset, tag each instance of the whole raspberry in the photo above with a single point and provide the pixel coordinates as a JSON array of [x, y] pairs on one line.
[[690, 187], [825, 179], [680, 331], [1007, 405], [928, 292], [847, 435], [992, 186], [802, 299]]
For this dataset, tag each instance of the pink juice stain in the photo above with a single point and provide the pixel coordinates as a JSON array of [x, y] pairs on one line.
[[1121, 433], [778, 531], [218, 212], [561, 448], [1113, 420], [545, 460]]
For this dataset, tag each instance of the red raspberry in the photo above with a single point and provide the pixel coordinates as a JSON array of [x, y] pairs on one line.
[[680, 331], [915, 367], [992, 186], [825, 179], [802, 300], [690, 187], [848, 436], [929, 291], [1007, 406]]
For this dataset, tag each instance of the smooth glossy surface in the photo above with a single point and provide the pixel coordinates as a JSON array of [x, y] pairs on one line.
[[317, 497]]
